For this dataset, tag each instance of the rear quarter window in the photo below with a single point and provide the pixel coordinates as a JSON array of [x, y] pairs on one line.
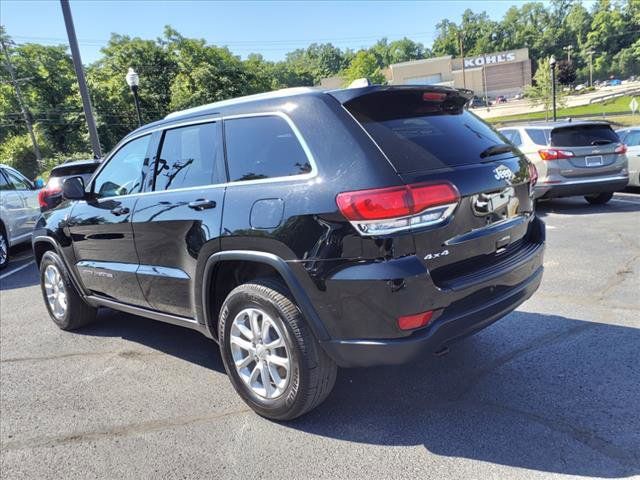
[[583, 136], [417, 134], [263, 147], [538, 136]]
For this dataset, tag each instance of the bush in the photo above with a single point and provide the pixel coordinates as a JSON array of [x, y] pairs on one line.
[[17, 152]]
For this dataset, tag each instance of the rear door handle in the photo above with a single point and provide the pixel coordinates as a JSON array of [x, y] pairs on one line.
[[120, 211], [202, 204]]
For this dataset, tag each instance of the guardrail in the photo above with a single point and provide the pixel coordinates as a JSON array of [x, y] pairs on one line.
[[635, 90]]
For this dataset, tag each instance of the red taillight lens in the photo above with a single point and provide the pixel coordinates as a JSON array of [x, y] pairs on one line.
[[395, 202], [622, 148], [46, 193], [533, 174], [411, 322], [554, 154], [433, 96]]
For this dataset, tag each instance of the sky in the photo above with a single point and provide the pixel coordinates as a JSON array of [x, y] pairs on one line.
[[269, 28]]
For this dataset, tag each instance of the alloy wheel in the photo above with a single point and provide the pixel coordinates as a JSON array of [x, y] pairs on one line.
[[4, 249], [56, 291], [260, 353]]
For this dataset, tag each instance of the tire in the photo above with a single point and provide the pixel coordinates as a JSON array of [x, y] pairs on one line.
[[76, 312], [311, 373], [599, 199], [4, 248]]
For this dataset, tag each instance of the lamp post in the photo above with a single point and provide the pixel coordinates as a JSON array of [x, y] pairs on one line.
[[552, 64], [590, 53], [133, 80], [568, 49]]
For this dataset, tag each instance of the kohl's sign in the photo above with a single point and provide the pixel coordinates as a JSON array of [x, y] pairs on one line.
[[489, 59]]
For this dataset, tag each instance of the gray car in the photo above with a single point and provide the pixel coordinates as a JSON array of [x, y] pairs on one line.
[[631, 138], [573, 158], [19, 210]]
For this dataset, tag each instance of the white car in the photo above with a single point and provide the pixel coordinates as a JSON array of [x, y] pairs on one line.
[[19, 210], [631, 138]]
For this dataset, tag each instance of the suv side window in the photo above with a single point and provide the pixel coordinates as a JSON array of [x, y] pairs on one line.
[[516, 139], [538, 136], [263, 147], [189, 157], [19, 182], [508, 134], [123, 174]]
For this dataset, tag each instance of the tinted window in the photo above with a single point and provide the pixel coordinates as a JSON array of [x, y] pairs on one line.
[[263, 147], [4, 184], [538, 136], [189, 157], [421, 134], [583, 136], [18, 181], [123, 174], [513, 136]]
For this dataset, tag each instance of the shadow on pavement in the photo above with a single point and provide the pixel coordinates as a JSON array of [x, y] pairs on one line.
[[180, 342], [579, 206], [561, 398], [21, 279]]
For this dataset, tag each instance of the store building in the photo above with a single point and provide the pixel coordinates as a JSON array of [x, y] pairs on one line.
[[493, 74]]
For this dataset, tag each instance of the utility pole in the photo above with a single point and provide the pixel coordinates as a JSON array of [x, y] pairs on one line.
[[464, 78], [590, 53], [23, 108], [82, 84], [568, 49]]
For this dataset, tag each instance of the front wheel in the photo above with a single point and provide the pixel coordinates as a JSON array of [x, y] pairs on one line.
[[271, 356], [599, 199]]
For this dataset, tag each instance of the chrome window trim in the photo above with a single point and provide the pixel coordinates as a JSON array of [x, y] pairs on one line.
[[305, 147]]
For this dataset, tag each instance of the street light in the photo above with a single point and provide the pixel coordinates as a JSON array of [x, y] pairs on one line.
[[568, 49], [590, 53], [133, 80], [552, 64]]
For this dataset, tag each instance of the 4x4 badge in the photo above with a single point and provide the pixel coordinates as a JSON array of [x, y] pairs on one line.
[[502, 172]]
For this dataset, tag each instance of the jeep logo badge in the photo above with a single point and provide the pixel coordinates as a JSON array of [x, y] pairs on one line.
[[503, 173]]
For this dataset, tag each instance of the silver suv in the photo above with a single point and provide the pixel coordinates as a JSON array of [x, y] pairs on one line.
[[573, 158], [19, 210]]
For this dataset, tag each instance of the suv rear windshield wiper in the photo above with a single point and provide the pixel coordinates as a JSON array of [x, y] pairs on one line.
[[496, 149], [601, 142]]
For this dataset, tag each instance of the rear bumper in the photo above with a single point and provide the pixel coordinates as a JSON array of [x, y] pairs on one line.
[[585, 186], [445, 330]]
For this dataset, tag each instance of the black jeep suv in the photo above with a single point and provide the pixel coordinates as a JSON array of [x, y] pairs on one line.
[[302, 230]]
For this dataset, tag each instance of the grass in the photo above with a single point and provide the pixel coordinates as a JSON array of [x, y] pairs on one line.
[[617, 106]]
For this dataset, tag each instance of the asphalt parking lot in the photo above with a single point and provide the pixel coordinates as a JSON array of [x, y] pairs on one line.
[[551, 390]]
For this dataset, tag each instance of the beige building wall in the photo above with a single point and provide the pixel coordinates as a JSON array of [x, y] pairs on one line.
[[430, 70]]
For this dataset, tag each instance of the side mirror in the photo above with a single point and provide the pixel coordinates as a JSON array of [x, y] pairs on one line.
[[73, 189], [38, 184]]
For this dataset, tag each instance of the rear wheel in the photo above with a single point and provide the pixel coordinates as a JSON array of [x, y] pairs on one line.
[[599, 199], [66, 307], [4, 248], [271, 356]]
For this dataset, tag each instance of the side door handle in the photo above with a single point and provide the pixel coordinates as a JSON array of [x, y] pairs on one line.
[[120, 211], [202, 204]]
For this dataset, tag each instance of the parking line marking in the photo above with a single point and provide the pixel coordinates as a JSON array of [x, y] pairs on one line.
[[16, 270]]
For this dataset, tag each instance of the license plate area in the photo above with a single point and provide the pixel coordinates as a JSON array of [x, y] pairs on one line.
[[593, 161]]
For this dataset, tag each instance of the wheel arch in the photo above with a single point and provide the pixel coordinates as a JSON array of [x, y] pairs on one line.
[[42, 244], [264, 263]]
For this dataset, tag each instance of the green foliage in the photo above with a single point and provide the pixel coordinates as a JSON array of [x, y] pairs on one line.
[[17, 151], [364, 65], [540, 93]]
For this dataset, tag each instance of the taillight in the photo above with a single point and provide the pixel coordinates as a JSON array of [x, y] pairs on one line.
[[622, 148], [45, 193], [533, 174], [554, 154], [411, 322], [383, 211]]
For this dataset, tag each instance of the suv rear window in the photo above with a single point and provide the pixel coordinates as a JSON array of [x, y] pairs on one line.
[[583, 136], [418, 134]]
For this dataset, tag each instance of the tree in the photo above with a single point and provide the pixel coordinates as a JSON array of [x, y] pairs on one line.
[[566, 72], [540, 93], [364, 65]]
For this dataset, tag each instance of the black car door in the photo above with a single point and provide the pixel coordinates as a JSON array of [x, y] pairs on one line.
[[101, 229], [180, 219]]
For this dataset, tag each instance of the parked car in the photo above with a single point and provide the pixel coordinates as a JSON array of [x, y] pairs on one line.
[[631, 138], [51, 195], [614, 82], [477, 102], [501, 99], [580, 86], [573, 158], [302, 230], [18, 210]]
